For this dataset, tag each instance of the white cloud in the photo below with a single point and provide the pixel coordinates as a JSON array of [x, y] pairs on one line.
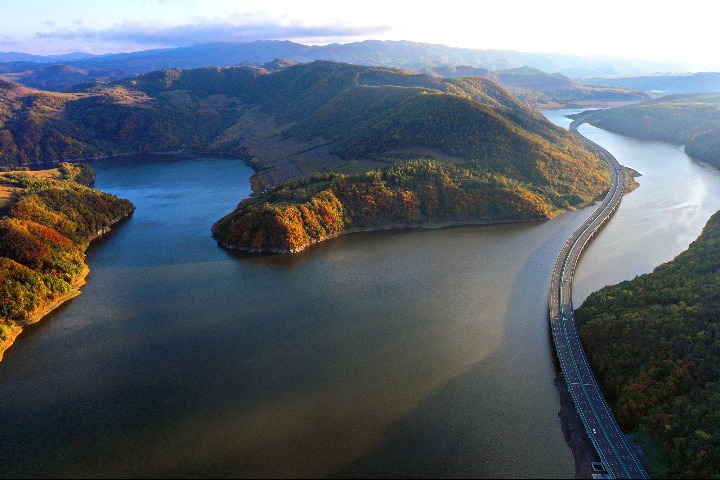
[[210, 30]]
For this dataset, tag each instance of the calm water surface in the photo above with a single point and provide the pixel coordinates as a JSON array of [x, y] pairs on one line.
[[420, 353]]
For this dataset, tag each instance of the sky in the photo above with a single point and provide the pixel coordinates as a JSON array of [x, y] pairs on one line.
[[683, 33]]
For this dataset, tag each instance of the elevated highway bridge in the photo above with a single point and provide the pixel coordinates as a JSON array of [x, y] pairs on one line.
[[600, 425]]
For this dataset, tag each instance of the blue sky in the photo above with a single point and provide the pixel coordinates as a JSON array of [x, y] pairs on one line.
[[610, 27]]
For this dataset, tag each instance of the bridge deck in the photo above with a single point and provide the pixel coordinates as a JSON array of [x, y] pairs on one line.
[[600, 425]]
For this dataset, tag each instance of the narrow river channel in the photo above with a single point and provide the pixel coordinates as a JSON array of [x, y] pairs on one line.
[[656, 222], [416, 353]]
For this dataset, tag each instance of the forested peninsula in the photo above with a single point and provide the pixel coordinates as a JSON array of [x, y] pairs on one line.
[[692, 120], [48, 219], [419, 193], [654, 345]]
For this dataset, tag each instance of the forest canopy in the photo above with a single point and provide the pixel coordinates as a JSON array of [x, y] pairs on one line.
[[654, 345]]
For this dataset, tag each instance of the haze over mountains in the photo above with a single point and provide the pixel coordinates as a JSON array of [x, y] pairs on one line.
[[403, 54], [29, 57], [544, 90], [700, 82]]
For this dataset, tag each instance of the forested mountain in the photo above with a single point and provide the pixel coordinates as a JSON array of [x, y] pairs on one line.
[[301, 212], [654, 344], [544, 90], [54, 77], [376, 115], [321, 116], [403, 54], [690, 119], [40, 127], [237, 110]]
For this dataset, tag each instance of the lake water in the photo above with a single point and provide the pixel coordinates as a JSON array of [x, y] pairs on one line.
[[415, 353]]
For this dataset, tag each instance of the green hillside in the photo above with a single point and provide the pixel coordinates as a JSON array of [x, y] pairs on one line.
[[483, 167], [376, 121], [241, 110], [317, 117], [654, 344], [468, 129]]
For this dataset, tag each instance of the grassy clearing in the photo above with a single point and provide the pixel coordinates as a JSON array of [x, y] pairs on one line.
[[7, 188]]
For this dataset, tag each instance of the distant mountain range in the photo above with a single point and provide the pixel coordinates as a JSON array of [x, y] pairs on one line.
[[545, 90], [31, 69], [701, 82], [28, 57]]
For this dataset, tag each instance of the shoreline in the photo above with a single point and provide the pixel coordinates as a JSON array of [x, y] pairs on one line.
[[5, 344], [379, 228], [585, 104], [429, 224], [571, 425], [42, 310], [570, 422]]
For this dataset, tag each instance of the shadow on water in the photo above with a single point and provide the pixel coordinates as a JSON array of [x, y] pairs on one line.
[[485, 425]]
